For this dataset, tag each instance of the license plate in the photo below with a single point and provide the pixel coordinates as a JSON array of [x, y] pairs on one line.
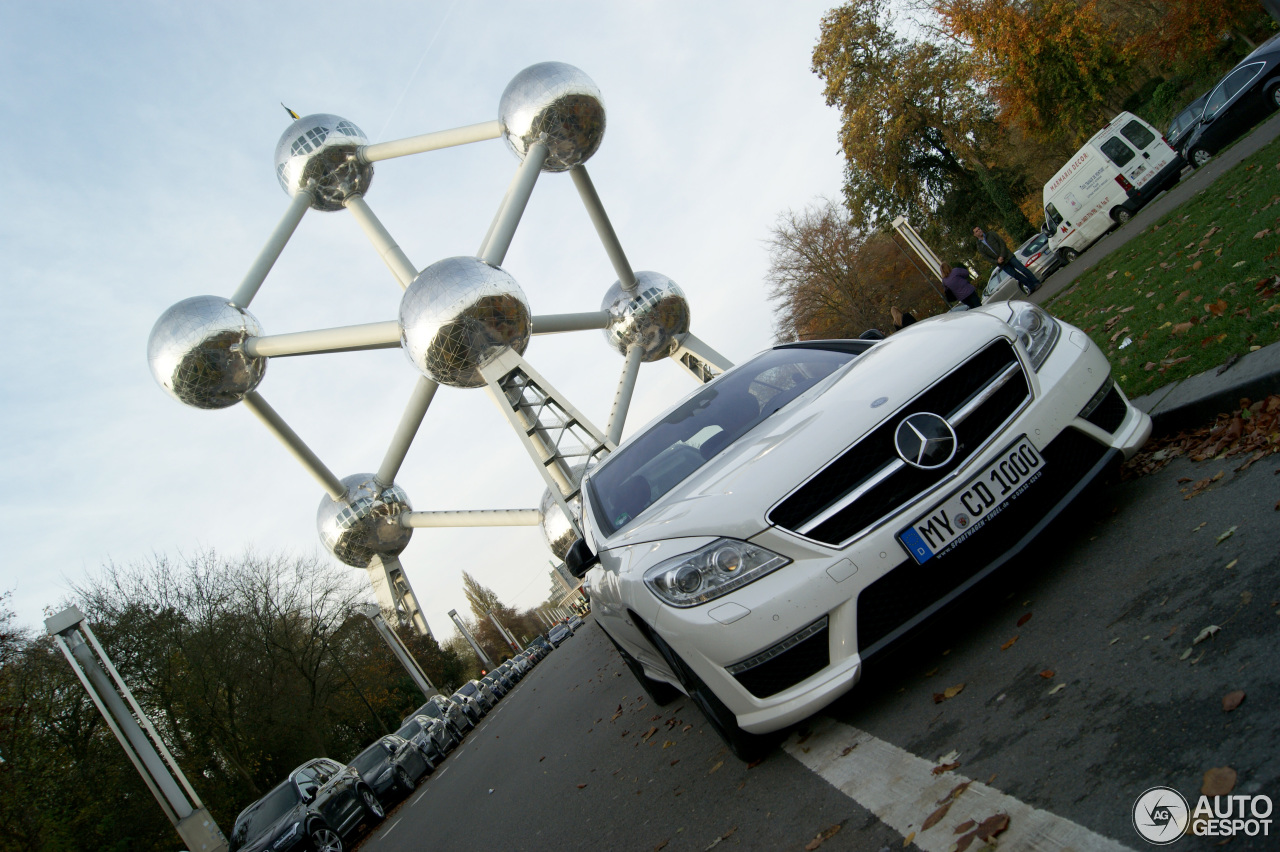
[[981, 499]]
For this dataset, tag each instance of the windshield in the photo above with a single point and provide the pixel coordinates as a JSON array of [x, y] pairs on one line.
[[467, 689], [261, 816], [670, 449], [431, 709], [410, 730], [370, 759]]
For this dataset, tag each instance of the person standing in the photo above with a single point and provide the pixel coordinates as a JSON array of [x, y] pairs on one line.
[[955, 282], [995, 250], [901, 319]]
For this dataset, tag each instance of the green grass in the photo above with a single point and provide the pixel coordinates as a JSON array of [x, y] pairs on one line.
[[1192, 290]]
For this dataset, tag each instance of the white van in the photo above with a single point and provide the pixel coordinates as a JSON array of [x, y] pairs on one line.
[[1125, 165]]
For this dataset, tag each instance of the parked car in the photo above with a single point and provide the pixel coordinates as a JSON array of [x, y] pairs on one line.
[[1113, 175], [495, 684], [1245, 95], [1036, 256], [542, 644], [1184, 123], [557, 634], [392, 767], [439, 707], [762, 541], [419, 731], [575, 623], [473, 689], [316, 807], [471, 706]]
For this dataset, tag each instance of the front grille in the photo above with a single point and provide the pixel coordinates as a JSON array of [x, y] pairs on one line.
[[797, 657], [869, 481], [1109, 412], [909, 589]]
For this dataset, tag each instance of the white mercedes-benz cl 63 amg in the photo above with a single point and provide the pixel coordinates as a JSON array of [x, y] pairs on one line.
[[759, 542]]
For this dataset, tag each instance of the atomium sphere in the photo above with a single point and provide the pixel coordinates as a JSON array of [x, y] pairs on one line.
[[191, 352], [654, 317], [458, 315], [318, 153], [365, 523], [555, 104], [556, 529]]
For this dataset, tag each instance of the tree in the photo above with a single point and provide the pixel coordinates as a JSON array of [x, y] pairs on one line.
[[1054, 66], [830, 278], [914, 126]]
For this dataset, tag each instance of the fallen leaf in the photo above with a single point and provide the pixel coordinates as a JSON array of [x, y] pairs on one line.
[[1219, 781], [1226, 535], [1232, 700], [1047, 674], [717, 766], [955, 792], [661, 846], [949, 692], [823, 836], [1231, 564], [934, 818], [1217, 308], [946, 767], [1183, 327], [686, 729], [1057, 689], [580, 786], [668, 744], [674, 762], [1024, 619], [848, 749], [949, 756], [1262, 233], [1205, 634], [1185, 654], [964, 826], [649, 733], [987, 829], [931, 672], [1007, 645], [906, 841], [1197, 264]]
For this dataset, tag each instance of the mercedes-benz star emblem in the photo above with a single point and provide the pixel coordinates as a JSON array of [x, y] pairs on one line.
[[925, 440]]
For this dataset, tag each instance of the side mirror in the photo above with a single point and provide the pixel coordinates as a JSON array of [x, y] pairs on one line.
[[580, 559]]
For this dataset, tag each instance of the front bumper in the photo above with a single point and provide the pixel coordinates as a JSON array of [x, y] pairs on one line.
[[870, 592]]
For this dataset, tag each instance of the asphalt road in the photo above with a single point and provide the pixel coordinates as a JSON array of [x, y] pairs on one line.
[[1194, 181], [1116, 593]]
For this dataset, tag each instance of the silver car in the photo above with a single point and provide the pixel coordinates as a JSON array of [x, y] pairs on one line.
[[1035, 255]]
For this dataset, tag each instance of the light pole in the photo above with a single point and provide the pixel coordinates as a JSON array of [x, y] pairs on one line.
[[373, 612], [475, 646], [511, 640], [134, 731]]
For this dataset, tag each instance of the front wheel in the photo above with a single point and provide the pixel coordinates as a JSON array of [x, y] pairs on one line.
[[659, 693], [372, 807], [403, 783], [745, 746], [1069, 255], [1121, 216], [325, 839], [1198, 157]]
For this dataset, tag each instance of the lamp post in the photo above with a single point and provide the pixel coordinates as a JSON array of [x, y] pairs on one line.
[[373, 612], [475, 646]]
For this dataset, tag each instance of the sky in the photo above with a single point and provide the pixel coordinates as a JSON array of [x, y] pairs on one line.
[[140, 140]]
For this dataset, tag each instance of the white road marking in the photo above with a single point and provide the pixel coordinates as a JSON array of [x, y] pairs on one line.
[[388, 829], [901, 790]]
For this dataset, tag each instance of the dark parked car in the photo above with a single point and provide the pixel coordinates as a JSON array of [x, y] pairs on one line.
[[472, 689], [439, 707], [494, 683], [392, 767], [320, 803], [1184, 123], [1248, 93]]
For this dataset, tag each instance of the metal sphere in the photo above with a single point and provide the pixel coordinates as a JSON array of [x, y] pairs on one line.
[[653, 317], [457, 315], [555, 104], [365, 523], [317, 153], [556, 529], [193, 352]]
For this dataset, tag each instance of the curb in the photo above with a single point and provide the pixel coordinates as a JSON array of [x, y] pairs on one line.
[[1194, 401]]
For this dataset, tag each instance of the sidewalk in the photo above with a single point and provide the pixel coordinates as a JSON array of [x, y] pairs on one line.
[[1197, 400]]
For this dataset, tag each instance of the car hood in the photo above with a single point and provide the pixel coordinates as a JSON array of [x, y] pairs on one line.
[[264, 841], [730, 494]]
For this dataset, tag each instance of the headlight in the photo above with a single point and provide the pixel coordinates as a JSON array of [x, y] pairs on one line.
[[1037, 331], [711, 571], [290, 837]]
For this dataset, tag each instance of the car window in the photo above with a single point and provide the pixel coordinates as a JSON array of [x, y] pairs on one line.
[[430, 709], [409, 730], [262, 815], [369, 759], [1116, 151], [1137, 133], [1052, 216], [700, 427], [1240, 78], [467, 689]]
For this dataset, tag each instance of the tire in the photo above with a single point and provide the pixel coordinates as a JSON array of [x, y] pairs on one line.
[[746, 747], [1274, 97], [325, 839], [1198, 157], [372, 807], [1121, 216], [659, 693], [404, 784], [1026, 291], [1069, 255]]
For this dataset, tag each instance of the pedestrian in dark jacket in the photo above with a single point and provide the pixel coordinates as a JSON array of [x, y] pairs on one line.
[[994, 249], [901, 319], [955, 281]]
